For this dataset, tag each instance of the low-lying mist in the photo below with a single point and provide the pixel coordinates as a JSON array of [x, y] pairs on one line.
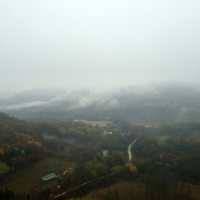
[[137, 104]]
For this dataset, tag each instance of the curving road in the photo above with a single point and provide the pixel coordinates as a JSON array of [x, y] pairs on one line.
[[130, 152]]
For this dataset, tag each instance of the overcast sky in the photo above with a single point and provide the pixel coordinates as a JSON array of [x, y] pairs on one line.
[[103, 44]]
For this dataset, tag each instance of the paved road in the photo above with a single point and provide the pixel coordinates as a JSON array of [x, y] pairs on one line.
[[75, 189], [130, 151]]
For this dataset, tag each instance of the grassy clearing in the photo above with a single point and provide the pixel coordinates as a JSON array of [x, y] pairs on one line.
[[162, 139], [96, 123], [4, 168], [24, 180]]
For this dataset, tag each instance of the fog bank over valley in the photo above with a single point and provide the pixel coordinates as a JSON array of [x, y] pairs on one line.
[[158, 103]]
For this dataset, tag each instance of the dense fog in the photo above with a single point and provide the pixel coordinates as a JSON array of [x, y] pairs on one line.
[[97, 44]]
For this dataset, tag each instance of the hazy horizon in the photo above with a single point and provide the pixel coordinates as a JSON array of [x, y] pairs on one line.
[[101, 45], [99, 99]]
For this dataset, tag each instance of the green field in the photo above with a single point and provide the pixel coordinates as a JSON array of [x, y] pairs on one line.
[[96, 123], [4, 168], [24, 180]]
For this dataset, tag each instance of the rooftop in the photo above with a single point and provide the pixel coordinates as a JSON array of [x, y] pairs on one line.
[[49, 177]]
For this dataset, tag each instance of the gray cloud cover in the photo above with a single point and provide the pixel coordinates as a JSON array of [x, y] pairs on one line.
[[107, 43]]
